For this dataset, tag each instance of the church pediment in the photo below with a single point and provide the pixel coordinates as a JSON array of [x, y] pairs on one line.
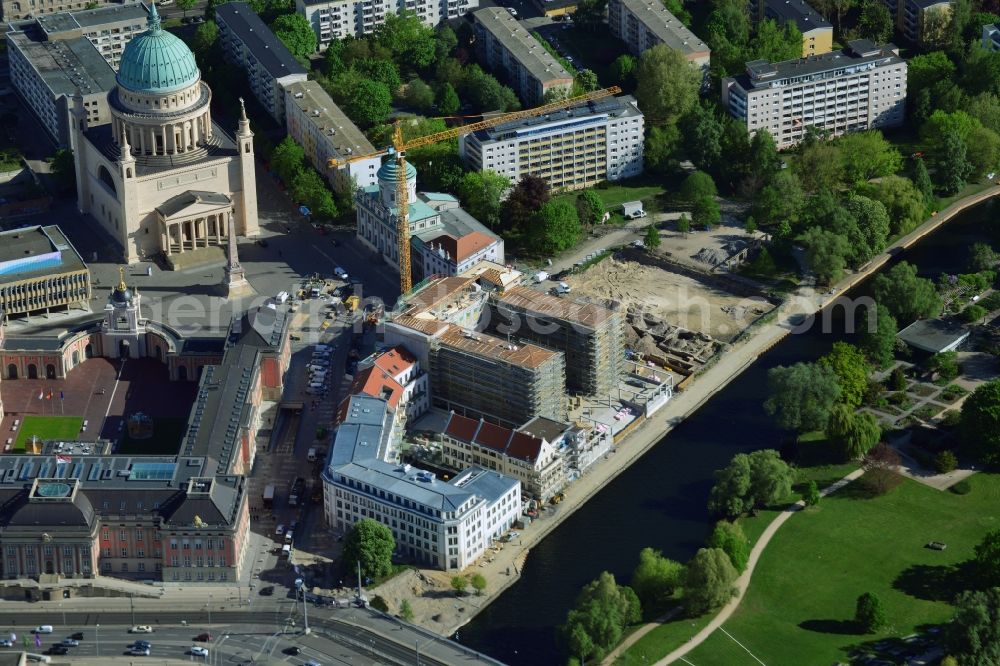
[[193, 203]]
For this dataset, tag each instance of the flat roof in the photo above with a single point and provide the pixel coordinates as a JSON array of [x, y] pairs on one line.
[[523, 46], [617, 107], [35, 252], [805, 17], [88, 19], [538, 303], [66, 64], [763, 74], [323, 112], [934, 335], [259, 40], [494, 348], [667, 27]]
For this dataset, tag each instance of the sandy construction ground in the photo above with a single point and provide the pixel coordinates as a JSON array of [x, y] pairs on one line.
[[677, 299]]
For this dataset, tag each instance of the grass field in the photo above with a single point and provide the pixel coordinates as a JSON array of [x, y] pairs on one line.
[[614, 195], [166, 439], [47, 428], [801, 601]]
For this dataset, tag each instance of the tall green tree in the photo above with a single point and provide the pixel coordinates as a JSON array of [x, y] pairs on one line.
[[982, 257], [186, 5], [697, 185], [527, 197], [980, 424], [869, 613], [589, 208], [953, 165], [852, 370], [922, 181], [774, 42], [905, 294], [287, 160], [382, 71], [826, 253], [926, 69], [730, 539], [705, 212], [709, 583], [623, 69], [750, 481], [556, 227], [481, 193], [656, 578], [973, 635], [296, 33], [652, 238], [868, 155], [446, 100], [596, 623], [852, 433], [779, 202], [205, 38], [763, 162], [903, 202], [878, 337], [702, 135], [875, 22], [800, 396], [667, 85], [819, 167], [419, 96], [410, 42], [370, 103], [371, 543], [987, 559]]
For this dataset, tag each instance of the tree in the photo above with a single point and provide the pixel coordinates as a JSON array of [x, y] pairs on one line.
[[941, 123], [485, 92], [405, 36], [730, 539], [586, 81], [982, 257], [185, 5], [974, 313], [880, 464], [780, 202], [983, 151], [370, 103], [904, 203], [596, 623], [459, 583], [852, 371], [683, 226], [852, 433], [875, 22], [868, 155], [776, 42], [944, 365], [478, 583], [811, 496], [652, 238], [819, 167], [555, 228], [923, 71], [204, 38], [973, 635], [527, 197], [878, 339], [705, 212], [710, 581], [667, 84], [697, 185], [906, 295], [64, 168], [656, 578], [922, 180], [661, 145], [980, 424], [445, 41], [296, 33], [869, 613], [590, 208], [623, 68], [370, 543], [446, 100], [800, 396], [945, 462], [590, 15], [287, 160], [749, 482], [826, 253], [985, 108], [763, 162], [419, 96], [953, 166], [481, 192], [702, 132], [676, 7], [406, 611]]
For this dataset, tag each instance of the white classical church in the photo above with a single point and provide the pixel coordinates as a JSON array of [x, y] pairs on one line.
[[161, 177]]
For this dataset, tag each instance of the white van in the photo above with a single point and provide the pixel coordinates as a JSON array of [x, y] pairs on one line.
[[43, 629], [563, 288]]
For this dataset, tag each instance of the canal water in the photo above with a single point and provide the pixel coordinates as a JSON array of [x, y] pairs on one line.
[[660, 500]]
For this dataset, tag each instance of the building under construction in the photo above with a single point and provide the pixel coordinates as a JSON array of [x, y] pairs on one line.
[[591, 337]]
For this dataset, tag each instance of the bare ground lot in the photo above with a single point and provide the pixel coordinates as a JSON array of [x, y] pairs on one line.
[[693, 304]]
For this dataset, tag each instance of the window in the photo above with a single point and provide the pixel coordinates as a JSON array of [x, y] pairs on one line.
[[67, 551], [142, 566], [140, 553], [105, 534], [121, 533], [139, 534], [124, 552], [173, 544], [173, 560]]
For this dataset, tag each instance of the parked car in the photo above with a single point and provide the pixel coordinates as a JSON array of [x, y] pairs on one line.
[[139, 652], [267, 591], [294, 650], [204, 638], [198, 651], [513, 12], [279, 530], [141, 629]]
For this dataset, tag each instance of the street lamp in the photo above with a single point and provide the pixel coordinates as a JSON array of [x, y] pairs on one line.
[[209, 606], [63, 613], [131, 603], [98, 627]]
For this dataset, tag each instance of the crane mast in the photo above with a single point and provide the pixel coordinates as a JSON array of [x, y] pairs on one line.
[[402, 213]]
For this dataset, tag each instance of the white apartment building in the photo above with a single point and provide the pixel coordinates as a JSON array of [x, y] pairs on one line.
[[447, 525], [336, 19], [108, 28], [573, 148], [249, 43], [642, 24], [47, 75], [518, 59], [325, 132], [859, 88]]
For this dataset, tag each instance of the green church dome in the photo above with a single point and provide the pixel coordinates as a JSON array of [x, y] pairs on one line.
[[157, 61], [388, 170]]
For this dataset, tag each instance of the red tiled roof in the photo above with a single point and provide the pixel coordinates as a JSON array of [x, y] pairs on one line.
[[395, 361], [466, 246], [493, 436], [461, 428], [376, 382], [524, 447]]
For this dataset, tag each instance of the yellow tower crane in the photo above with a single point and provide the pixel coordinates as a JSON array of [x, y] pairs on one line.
[[400, 146]]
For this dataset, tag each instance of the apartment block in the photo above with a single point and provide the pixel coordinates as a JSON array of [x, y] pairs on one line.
[[16, 10], [591, 337], [325, 132], [447, 525], [859, 88], [572, 148], [249, 43], [921, 21], [642, 24], [47, 75], [508, 49], [108, 28], [534, 460], [336, 19], [817, 32]]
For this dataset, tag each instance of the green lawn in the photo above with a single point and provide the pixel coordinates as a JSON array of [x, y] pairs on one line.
[[661, 641], [615, 194], [801, 600], [48, 428], [166, 439]]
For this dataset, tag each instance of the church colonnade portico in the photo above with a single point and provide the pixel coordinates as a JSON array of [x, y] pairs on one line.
[[193, 233]]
